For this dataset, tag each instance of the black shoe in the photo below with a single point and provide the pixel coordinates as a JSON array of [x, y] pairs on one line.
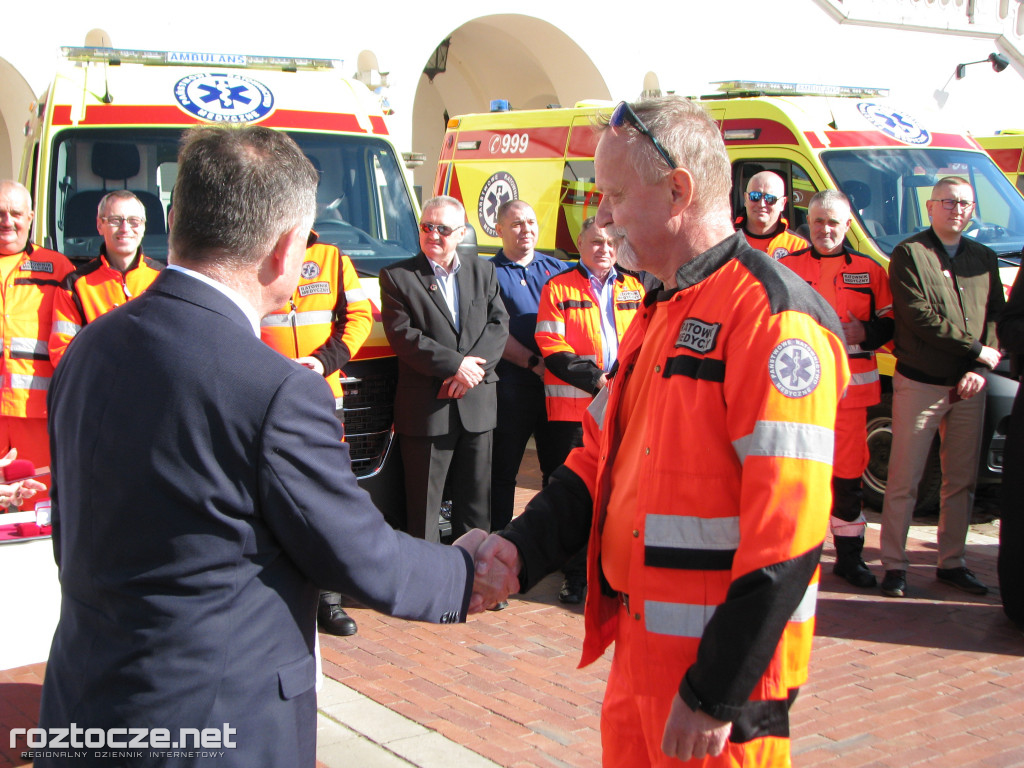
[[894, 584], [572, 591], [333, 620], [961, 578], [855, 572]]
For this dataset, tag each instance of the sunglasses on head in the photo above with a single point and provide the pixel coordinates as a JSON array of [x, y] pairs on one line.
[[624, 114], [768, 199], [442, 229]]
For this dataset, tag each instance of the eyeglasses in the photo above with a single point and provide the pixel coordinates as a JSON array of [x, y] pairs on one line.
[[949, 205], [442, 229], [311, 238], [624, 114], [116, 221], [757, 196]]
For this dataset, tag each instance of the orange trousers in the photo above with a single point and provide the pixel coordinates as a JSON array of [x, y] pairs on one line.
[[32, 440]]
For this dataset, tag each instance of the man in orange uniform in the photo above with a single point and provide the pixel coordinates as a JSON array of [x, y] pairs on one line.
[[704, 480], [582, 316], [322, 328], [857, 288], [764, 225], [120, 273], [29, 279]]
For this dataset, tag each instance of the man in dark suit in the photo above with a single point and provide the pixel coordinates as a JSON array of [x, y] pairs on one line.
[[446, 323], [202, 493]]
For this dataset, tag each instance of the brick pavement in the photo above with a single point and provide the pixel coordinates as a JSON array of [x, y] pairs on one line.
[[936, 679]]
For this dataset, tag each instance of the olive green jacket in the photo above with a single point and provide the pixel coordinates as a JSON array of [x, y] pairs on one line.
[[945, 309]]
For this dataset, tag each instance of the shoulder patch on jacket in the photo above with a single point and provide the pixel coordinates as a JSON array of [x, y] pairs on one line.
[[794, 368]]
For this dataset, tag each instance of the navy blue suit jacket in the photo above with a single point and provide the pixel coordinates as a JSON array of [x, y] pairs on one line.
[[201, 497]]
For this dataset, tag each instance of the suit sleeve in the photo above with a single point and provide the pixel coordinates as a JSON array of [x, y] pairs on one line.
[[353, 319], [1011, 325], [410, 342], [329, 526]]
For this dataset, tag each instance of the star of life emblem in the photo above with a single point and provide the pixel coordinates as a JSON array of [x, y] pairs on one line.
[[310, 270], [794, 368], [224, 97]]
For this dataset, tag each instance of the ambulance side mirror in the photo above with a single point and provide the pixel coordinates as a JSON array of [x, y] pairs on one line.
[[467, 249]]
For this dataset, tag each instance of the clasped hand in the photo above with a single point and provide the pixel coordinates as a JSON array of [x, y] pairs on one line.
[[497, 566]]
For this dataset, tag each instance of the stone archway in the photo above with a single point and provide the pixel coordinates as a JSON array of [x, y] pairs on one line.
[[525, 60], [15, 97]]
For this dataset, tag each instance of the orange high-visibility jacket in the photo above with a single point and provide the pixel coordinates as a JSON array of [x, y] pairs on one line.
[[28, 295], [732, 470], [569, 337], [328, 318], [777, 243], [861, 287], [94, 289]]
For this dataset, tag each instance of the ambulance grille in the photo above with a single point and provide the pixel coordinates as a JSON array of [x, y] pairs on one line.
[[369, 414]]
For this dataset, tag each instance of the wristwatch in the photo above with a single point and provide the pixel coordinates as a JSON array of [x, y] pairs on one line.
[[532, 362]]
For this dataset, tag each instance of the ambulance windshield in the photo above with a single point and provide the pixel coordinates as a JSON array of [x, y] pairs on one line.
[[363, 204], [888, 189]]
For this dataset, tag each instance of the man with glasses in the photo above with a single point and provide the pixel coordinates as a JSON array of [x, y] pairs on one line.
[[703, 482], [763, 224], [444, 319], [947, 297], [120, 273], [29, 281]]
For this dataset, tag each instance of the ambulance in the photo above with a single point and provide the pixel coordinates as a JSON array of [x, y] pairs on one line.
[[816, 137], [112, 119], [1007, 151]]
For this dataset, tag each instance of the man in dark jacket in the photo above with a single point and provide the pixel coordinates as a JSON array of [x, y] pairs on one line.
[[947, 296]]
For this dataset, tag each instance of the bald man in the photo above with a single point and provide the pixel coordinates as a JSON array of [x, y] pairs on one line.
[[30, 277], [763, 224]]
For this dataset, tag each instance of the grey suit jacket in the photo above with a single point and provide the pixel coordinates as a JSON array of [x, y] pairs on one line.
[[201, 496], [421, 331]]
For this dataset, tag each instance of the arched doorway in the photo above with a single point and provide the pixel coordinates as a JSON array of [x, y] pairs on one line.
[[525, 60], [15, 98]]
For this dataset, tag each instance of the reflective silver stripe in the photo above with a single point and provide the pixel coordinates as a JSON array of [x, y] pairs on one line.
[[599, 404], [787, 440], [675, 531], [550, 326], [677, 619], [854, 349], [882, 311], [30, 347], [66, 327], [356, 294], [339, 402], [807, 606], [25, 381], [564, 390], [853, 528], [868, 377], [301, 318]]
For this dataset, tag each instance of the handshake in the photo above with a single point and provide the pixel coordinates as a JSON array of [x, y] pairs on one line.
[[497, 566]]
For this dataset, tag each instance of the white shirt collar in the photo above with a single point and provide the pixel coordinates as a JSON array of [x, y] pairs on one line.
[[234, 296]]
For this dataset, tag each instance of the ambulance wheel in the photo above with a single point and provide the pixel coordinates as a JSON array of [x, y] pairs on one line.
[[877, 473]]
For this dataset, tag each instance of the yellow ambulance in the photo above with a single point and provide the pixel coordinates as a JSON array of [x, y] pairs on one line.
[[815, 136], [112, 119], [1007, 151]]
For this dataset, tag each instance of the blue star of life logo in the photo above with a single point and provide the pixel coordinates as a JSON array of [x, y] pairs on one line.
[[224, 98], [794, 368], [894, 124]]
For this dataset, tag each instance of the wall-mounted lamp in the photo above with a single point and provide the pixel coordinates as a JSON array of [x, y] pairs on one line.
[[438, 61], [999, 63]]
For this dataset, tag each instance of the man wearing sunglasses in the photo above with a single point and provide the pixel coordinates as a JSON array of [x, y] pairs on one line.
[[444, 319], [947, 297], [763, 224], [703, 482], [120, 273]]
